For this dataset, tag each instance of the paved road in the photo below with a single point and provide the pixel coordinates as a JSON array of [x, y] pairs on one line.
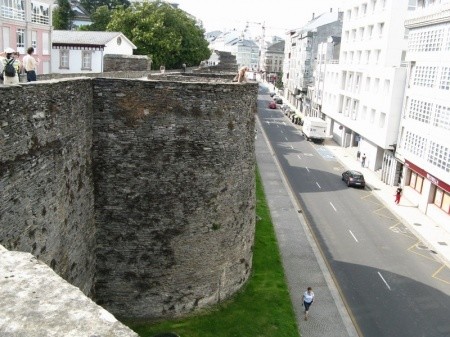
[[386, 280]]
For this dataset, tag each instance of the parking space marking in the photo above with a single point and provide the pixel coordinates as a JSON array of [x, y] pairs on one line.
[[307, 169], [443, 269], [318, 185], [418, 248]]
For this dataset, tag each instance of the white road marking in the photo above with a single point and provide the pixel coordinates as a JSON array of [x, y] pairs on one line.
[[307, 169], [284, 123], [281, 131], [318, 184], [286, 138], [292, 147], [299, 156], [354, 237], [387, 285], [333, 206]]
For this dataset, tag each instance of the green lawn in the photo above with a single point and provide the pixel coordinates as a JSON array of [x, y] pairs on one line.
[[261, 309]]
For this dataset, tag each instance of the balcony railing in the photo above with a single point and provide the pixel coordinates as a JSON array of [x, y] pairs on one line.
[[12, 13]]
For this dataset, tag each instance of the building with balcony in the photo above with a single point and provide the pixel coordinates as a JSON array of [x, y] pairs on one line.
[[27, 23], [300, 53], [327, 53], [423, 141], [363, 93], [273, 61]]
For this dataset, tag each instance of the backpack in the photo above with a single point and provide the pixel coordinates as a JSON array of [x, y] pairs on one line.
[[9, 70]]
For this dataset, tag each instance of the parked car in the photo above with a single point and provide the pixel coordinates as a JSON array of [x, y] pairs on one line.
[[278, 99], [272, 105], [354, 178]]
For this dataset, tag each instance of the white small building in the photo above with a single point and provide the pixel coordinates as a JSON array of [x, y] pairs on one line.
[[82, 52]]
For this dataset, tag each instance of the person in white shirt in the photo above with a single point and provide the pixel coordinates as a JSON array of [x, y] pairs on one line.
[[29, 64], [308, 299]]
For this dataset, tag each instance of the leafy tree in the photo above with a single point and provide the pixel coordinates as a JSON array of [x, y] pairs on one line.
[[279, 83], [168, 34], [92, 5], [63, 15], [100, 20]]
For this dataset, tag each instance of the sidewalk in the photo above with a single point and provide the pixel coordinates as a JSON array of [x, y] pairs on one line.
[[302, 261], [432, 234]]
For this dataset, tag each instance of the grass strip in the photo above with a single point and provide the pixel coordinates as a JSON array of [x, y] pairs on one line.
[[262, 308]]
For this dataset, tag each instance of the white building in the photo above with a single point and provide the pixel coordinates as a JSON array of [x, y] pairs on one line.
[[363, 94], [424, 138], [300, 52], [327, 53], [82, 51]]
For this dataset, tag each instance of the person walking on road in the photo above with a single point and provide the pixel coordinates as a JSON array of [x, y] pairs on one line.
[[308, 299], [398, 195]]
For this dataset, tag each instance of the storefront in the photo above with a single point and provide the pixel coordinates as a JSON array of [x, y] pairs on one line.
[[431, 195]]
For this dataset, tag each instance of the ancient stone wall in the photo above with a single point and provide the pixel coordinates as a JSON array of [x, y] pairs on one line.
[[46, 199], [112, 62], [174, 189], [139, 192]]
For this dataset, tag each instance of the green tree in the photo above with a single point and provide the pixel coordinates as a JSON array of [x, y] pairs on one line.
[[100, 20], [92, 5], [166, 33], [279, 83], [63, 15]]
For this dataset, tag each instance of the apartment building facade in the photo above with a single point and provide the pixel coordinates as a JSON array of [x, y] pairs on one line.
[[27, 23], [363, 93], [423, 142], [327, 53], [300, 51]]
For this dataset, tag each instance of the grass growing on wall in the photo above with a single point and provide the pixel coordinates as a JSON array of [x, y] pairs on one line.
[[261, 309]]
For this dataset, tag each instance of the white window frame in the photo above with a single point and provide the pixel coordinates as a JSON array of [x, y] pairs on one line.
[[64, 57], [86, 60]]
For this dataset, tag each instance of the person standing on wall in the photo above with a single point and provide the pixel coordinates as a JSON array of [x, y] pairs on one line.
[[29, 64], [11, 66], [308, 299]]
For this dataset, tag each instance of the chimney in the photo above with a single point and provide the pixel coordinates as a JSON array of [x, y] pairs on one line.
[[313, 15]]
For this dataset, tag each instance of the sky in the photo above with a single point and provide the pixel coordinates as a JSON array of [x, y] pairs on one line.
[[278, 16]]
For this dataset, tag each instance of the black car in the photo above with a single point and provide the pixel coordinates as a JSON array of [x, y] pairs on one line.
[[354, 178]]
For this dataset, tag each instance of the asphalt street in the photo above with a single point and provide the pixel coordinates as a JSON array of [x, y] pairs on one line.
[[387, 286]]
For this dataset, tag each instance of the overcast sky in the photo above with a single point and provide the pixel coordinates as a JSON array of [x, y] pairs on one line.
[[277, 15]]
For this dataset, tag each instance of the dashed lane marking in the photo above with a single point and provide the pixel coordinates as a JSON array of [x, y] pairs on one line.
[[318, 185], [387, 285], [333, 206], [354, 237]]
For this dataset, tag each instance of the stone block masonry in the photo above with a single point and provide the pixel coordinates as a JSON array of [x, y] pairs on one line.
[[46, 198], [35, 302], [174, 189], [139, 192]]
